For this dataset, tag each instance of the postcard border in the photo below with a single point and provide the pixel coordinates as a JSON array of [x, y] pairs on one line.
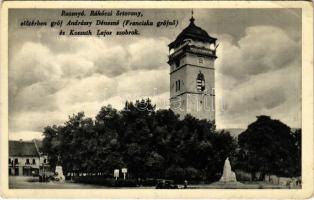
[[307, 105]]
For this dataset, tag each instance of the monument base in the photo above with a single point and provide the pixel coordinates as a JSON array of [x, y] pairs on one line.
[[228, 176], [59, 174], [226, 185]]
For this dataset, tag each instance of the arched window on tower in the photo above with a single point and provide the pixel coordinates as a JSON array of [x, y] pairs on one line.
[[200, 82]]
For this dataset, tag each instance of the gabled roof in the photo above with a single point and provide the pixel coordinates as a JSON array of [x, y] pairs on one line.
[[192, 32], [23, 148]]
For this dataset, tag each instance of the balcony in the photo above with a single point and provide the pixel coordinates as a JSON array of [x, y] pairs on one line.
[[202, 51]]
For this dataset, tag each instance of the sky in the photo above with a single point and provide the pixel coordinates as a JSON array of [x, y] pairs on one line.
[[257, 72]]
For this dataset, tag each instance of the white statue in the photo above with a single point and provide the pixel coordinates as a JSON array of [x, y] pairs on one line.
[[59, 174], [228, 175]]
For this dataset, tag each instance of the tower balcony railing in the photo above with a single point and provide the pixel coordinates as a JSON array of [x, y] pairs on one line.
[[201, 50], [193, 49]]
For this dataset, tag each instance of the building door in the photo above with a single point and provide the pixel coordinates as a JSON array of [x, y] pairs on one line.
[[27, 171], [16, 171]]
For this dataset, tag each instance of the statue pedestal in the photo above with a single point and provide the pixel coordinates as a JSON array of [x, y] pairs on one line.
[[59, 174], [228, 175], [228, 179]]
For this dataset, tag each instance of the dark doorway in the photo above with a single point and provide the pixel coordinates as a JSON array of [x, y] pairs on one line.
[[27, 171], [16, 171]]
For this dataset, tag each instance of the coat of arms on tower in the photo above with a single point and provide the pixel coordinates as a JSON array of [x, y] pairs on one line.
[[200, 82]]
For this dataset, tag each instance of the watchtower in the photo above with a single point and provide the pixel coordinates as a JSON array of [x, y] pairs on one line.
[[192, 74]]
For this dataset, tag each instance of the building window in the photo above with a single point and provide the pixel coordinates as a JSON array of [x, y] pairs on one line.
[[200, 60], [16, 161], [178, 85], [34, 161], [27, 161], [45, 161], [177, 63], [9, 161], [200, 82]]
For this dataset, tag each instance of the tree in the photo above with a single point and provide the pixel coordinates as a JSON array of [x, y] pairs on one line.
[[268, 147], [150, 143], [73, 137], [223, 146], [108, 127], [50, 145], [297, 134]]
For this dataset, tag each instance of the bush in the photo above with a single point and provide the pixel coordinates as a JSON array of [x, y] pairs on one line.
[[175, 173], [123, 183], [101, 180], [149, 182], [192, 174]]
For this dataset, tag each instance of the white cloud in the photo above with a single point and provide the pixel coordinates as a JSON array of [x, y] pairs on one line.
[[79, 88], [93, 88], [263, 49], [260, 74], [33, 63], [75, 66], [148, 53], [143, 83]]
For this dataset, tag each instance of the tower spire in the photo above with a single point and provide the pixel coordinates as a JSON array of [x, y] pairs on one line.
[[192, 18]]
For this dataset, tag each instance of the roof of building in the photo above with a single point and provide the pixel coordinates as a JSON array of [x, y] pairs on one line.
[[23, 148], [192, 32], [39, 144]]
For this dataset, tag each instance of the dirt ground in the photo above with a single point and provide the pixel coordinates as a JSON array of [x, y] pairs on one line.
[[24, 182]]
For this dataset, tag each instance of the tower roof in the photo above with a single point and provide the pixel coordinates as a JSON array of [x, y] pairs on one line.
[[192, 32]]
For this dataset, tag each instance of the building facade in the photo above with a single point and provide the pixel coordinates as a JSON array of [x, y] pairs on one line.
[[25, 158], [192, 73]]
